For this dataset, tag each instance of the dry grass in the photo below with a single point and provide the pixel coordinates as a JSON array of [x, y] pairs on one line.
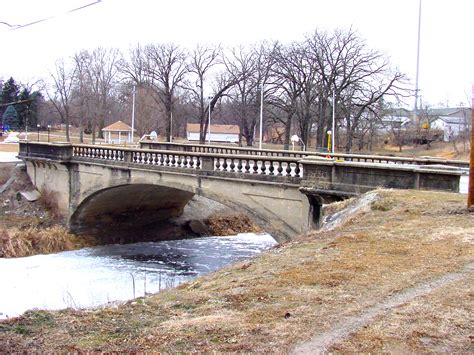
[[437, 323], [6, 170], [18, 243], [231, 224], [286, 295], [49, 202]]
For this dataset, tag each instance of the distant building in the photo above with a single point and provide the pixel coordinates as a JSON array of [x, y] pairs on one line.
[[452, 127], [219, 133], [118, 133], [395, 119]]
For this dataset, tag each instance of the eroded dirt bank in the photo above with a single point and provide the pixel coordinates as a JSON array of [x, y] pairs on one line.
[[29, 228], [286, 297]]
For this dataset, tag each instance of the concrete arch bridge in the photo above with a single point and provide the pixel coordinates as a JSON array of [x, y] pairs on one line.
[[101, 187]]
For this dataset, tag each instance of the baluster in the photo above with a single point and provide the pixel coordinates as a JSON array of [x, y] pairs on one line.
[[224, 165], [173, 160], [288, 169], [161, 159], [297, 170], [179, 161], [232, 165], [239, 166], [167, 160], [185, 161], [255, 167], [198, 163], [191, 162], [280, 168], [271, 168], [218, 164], [263, 167], [247, 166]]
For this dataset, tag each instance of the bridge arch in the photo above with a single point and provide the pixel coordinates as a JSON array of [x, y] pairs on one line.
[[135, 205]]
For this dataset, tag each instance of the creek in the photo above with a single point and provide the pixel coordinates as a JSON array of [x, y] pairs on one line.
[[92, 277]]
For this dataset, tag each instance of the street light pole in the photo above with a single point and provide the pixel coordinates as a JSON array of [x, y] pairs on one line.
[[38, 128], [171, 124], [133, 111], [49, 128], [261, 118], [209, 124], [333, 119]]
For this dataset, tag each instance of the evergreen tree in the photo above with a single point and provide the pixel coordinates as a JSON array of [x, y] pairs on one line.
[[10, 119], [8, 94]]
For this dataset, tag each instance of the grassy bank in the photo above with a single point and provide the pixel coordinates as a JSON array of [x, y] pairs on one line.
[[295, 291]]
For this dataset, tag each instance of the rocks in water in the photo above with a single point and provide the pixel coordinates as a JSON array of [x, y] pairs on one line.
[[198, 227]]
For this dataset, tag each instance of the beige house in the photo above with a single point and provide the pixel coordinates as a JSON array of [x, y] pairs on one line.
[[118, 133], [219, 133]]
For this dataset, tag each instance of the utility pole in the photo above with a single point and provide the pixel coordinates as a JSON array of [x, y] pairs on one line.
[[261, 118], [470, 195], [415, 113]]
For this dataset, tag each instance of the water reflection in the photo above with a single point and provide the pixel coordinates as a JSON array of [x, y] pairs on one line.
[[94, 276]]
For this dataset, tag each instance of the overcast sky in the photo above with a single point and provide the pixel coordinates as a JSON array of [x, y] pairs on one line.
[[447, 27]]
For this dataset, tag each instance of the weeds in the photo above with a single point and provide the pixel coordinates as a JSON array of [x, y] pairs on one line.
[[33, 240], [49, 201]]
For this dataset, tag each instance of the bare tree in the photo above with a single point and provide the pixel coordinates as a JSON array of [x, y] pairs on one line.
[[202, 60], [357, 76], [101, 73], [63, 81], [165, 72]]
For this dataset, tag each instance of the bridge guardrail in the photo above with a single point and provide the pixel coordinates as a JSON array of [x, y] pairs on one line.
[[245, 164], [363, 158], [315, 173]]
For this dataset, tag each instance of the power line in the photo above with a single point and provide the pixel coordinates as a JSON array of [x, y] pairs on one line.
[[17, 27]]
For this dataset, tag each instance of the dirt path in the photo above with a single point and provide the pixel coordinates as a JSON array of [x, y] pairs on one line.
[[322, 342]]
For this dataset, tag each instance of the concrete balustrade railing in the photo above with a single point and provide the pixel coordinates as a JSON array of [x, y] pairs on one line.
[[366, 158], [287, 167], [313, 173]]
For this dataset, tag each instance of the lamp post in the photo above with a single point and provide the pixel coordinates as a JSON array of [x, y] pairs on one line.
[[261, 118], [133, 110], [38, 128], [329, 141], [26, 121], [49, 129], [171, 124], [333, 119], [209, 123]]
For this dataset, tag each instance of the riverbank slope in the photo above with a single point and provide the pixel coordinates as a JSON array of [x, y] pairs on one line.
[[396, 278]]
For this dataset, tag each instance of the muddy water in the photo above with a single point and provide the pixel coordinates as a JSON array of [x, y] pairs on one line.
[[91, 277]]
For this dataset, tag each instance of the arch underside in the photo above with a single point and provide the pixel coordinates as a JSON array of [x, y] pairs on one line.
[[127, 207]]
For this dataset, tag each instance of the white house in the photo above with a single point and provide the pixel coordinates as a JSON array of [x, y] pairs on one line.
[[452, 127], [219, 133]]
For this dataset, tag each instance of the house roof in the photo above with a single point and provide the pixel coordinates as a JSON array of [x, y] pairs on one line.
[[118, 126], [215, 128], [450, 111], [454, 120]]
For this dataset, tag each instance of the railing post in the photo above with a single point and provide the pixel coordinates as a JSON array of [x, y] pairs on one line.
[[207, 163], [127, 156], [53, 151]]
